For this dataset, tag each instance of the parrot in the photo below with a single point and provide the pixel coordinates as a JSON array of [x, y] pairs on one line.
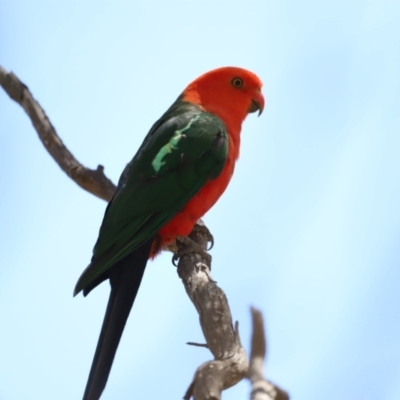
[[181, 169]]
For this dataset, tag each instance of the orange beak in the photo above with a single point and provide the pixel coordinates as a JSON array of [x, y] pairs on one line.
[[257, 103]]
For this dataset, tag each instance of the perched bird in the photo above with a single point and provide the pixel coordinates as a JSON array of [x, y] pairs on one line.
[[181, 169]]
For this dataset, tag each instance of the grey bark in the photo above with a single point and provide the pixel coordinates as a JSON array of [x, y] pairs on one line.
[[92, 180], [262, 389], [230, 361]]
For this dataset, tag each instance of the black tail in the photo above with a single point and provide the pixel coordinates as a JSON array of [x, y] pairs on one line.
[[125, 277]]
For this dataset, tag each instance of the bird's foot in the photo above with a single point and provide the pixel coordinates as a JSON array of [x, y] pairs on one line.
[[190, 247], [201, 228]]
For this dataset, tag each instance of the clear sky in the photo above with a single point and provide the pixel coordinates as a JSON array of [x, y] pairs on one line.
[[308, 231]]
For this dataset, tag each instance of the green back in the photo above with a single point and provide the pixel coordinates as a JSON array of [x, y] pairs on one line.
[[184, 149]]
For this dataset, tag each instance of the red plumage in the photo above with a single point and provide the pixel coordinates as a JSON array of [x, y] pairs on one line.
[[216, 93], [228, 93]]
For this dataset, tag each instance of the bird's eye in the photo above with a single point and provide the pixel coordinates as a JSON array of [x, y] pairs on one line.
[[237, 82]]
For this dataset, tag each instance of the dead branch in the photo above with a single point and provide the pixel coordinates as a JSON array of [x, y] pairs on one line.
[[92, 180], [262, 389], [230, 362]]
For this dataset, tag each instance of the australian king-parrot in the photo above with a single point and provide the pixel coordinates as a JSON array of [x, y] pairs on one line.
[[181, 169]]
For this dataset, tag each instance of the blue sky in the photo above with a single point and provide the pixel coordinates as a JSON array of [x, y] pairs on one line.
[[308, 231]]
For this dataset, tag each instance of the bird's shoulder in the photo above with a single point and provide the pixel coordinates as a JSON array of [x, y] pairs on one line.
[[185, 134]]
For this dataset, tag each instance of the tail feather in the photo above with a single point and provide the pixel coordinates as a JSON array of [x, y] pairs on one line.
[[125, 277]]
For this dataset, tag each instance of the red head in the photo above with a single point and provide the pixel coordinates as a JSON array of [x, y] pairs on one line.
[[229, 92]]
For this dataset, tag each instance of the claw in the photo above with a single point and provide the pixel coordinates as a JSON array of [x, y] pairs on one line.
[[189, 247], [210, 238], [175, 259]]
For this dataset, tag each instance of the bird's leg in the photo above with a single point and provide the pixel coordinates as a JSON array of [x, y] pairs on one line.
[[189, 246], [201, 228], [198, 228]]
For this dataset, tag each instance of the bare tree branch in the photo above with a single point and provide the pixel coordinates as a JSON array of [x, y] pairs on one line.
[[262, 389], [230, 362], [94, 181]]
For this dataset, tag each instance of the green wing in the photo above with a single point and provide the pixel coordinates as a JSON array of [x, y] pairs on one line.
[[182, 151]]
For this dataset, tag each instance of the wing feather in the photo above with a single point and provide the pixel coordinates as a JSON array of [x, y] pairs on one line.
[[178, 156]]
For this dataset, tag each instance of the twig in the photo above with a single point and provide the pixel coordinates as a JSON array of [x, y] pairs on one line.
[[198, 344], [262, 389]]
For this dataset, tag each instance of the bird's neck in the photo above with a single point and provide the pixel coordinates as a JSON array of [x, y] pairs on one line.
[[232, 115], [233, 122]]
